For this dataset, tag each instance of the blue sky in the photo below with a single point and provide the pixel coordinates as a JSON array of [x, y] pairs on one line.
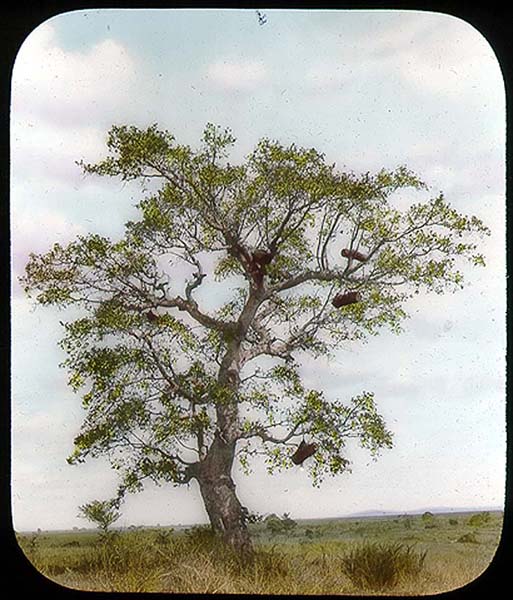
[[370, 89]]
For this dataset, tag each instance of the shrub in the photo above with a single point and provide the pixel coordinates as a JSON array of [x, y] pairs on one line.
[[379, 566], [453, 522], [277, 524], [31, 545], [479, 519], [468, 538]]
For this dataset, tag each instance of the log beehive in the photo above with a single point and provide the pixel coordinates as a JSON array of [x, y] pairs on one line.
[[303, 452], [346, 253], [347, 298]]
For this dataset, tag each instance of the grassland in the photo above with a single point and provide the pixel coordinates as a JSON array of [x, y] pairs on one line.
[[307, 559]]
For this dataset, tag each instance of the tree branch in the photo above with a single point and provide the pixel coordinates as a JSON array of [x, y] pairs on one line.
[[260, 431], [171, 457], [304, 277], [191, 307]]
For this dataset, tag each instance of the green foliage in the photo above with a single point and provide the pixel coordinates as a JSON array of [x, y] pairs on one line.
[[280, 525], [309, 533], [330, 424], [131, 148], [372, 566], [251, 517], [103, 513], [149, 358], [479, 519]]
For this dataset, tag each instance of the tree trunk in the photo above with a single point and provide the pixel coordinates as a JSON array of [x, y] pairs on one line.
[[221, 503], [214, 472]]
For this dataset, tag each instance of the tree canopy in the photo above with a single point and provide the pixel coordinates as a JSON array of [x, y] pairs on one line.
[[194, 323]]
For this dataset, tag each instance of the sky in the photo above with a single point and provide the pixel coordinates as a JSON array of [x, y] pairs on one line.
[[370, 89]]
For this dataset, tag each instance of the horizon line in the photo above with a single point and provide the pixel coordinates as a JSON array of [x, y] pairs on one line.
[[363, 514]]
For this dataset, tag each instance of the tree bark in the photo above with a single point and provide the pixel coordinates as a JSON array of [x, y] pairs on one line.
[[221, 503], [214, 472]]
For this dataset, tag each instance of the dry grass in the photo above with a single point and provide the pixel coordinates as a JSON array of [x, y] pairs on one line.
[[378, 567], [299, 564]]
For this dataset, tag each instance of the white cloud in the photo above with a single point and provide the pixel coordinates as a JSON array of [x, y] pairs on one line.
[[452, 60], [238, 75], [45, 227], [437, 56], [447, 58], [71, 87], [45, 152]]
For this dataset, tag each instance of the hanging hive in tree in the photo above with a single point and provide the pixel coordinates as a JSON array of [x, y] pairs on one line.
[[303, 451], [262, 257], [151, 316], [346, 298], [346, 253], [258, 261]]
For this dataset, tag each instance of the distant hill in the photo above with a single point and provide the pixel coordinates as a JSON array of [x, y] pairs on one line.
[[420, 511], [369, 514]]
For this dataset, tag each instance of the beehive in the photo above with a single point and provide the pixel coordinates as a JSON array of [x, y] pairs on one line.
[[347, 298], [303, 452], [346, 253]]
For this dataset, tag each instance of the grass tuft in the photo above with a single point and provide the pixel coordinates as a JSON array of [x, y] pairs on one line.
[[381, 566]]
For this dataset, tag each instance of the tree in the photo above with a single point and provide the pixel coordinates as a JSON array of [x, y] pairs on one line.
[[288, 524], [428, 519], [192, 326], [103, 513], [273, 524], [283, 524]]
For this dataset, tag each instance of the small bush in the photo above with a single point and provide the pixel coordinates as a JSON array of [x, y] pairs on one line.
[[275, 524], [453, 522], [479, 519], [380, 566], [468, 538]]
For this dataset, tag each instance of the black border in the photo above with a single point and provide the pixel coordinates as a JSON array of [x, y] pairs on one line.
[[494, 20]]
